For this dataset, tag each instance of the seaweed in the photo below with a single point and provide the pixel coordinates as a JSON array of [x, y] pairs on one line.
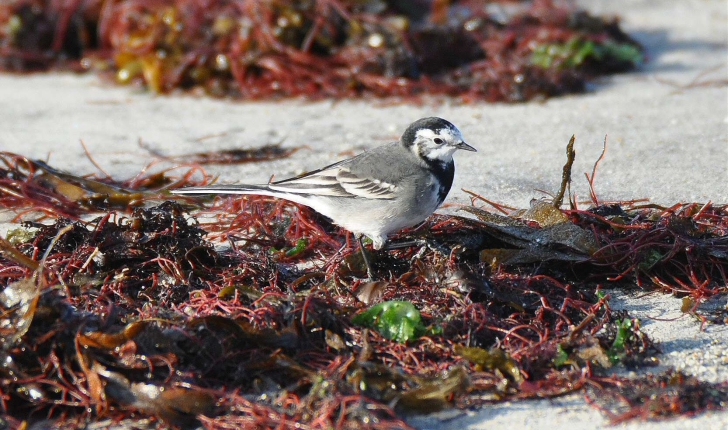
[[229, 156], [251, 311], [323, 48], [33, 185], [658, 396]]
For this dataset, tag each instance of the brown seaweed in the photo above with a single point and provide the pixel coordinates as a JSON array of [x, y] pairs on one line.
[[248, 318], [321, 48]]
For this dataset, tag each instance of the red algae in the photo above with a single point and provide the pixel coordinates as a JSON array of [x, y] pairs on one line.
[[247, 317], [502, 51]]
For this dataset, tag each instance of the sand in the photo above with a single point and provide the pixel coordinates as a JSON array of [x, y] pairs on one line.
[[667, 141]]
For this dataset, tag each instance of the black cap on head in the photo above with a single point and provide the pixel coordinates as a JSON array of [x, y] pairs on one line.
[[432, 123]]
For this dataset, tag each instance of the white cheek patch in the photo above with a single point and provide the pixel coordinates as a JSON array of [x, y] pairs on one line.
[[426, 147], [442, 152]]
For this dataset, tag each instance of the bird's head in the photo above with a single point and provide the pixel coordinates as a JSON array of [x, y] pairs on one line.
[[434, 139]]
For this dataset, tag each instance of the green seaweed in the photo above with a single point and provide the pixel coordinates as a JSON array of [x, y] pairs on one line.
[[396, 320], [577, 51], [624, 331]]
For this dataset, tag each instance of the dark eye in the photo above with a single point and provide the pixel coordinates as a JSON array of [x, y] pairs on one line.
[[439, 141]]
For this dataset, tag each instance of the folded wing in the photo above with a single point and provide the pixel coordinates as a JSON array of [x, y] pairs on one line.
[[335, 181]]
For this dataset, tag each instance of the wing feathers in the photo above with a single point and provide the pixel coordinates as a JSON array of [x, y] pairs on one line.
[[365, 187], [335, 181], [334, 190]]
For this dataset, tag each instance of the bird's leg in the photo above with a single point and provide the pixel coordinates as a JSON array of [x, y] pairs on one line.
[[365, 257]]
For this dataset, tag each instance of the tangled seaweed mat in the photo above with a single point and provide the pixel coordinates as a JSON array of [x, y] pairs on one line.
[[503, 51], [258, 316]]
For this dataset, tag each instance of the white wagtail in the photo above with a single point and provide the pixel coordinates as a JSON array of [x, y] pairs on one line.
[[377, 192]]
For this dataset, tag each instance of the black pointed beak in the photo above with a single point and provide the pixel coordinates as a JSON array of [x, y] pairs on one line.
[[465, 146]]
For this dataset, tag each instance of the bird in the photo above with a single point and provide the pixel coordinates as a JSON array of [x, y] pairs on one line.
[[378, 192]]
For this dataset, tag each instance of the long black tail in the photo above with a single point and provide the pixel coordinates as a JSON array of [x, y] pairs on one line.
[[227, 189]]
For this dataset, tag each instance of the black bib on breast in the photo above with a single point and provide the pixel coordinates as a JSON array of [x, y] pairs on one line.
[[445, 172]]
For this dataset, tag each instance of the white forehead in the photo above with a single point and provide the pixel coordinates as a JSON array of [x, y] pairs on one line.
[[445, 133]]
